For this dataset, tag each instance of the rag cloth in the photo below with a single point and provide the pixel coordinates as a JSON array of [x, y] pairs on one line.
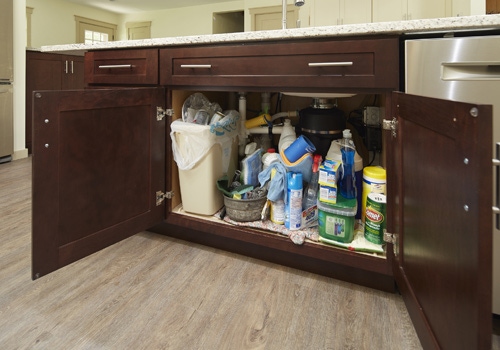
[[277, 186]]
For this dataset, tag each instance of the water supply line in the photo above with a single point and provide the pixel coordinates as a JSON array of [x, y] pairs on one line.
[[296, 2], [276, 130]]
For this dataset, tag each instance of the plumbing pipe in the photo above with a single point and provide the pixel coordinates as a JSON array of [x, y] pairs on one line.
[[265, 130], [283, 114], [275, 129], [243, 134]]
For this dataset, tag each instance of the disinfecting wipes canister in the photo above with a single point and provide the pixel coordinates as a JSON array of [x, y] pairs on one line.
[[375, 218], [374, 181]]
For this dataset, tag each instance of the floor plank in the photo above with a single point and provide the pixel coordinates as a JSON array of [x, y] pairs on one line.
[[156, 292]]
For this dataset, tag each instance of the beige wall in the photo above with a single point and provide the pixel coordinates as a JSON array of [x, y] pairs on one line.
[[194, 20], [53, 21]]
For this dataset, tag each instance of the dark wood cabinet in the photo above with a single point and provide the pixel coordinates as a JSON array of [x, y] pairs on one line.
[[103, 170], [48, 71], [106, 155], [439, 212], [492, 6], [335, 65], [128, 67]]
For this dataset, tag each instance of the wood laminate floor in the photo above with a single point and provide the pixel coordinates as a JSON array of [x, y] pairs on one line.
[[155, 292]]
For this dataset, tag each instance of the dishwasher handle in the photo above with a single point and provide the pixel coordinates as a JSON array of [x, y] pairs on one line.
[[474, 70]]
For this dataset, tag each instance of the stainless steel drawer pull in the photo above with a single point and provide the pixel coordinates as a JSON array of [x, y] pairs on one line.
[[115, 66], [331, 64], [196, 66]]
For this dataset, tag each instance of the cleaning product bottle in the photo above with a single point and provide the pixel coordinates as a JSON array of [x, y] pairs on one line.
[[348, 179], [287, 135], [269, 157], [311, 191], [293, 209], [334, 153], [277, 207]]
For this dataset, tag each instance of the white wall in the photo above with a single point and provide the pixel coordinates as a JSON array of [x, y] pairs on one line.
[[19, 85]]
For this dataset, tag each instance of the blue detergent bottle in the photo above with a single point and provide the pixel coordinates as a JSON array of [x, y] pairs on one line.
[[348, 179]]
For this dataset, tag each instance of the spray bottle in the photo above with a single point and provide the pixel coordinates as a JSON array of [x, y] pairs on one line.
[[293, 208]]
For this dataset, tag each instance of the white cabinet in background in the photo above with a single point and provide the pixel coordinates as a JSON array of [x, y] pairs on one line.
[[397, 10], [337, 12], [466, 8]]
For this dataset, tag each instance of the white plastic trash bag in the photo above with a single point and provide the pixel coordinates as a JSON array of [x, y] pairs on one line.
[[191, 142]]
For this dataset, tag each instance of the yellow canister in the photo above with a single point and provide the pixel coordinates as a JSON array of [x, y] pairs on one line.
[[374, 181]]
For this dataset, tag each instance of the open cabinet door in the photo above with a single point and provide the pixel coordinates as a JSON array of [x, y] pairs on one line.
[[98, 161], [439, 165]]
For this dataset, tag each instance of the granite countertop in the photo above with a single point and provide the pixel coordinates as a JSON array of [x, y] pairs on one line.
[[447, 24]]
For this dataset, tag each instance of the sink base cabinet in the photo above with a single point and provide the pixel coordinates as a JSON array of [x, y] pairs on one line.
[[102, 156]]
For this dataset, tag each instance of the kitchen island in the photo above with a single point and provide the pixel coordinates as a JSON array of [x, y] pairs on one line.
[[92, 210], [442, 25]]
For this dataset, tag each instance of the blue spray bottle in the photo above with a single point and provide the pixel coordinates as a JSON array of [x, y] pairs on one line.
[[293, 208]]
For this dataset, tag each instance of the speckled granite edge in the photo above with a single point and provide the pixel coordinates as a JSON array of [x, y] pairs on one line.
[[398, 27]]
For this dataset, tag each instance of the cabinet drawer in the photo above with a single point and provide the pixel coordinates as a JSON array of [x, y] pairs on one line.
[[123, 67], [352, 64]]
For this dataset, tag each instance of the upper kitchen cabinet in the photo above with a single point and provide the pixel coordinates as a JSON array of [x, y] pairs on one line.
[[48, 71], [337, 12], [397, 10]]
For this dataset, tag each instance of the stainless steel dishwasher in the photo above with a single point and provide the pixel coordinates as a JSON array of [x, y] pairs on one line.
[[463, 69]]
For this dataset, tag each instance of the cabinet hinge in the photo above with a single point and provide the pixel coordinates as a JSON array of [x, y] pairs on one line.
[[161, 196], [161, 113], [390, 125], [390, 237]]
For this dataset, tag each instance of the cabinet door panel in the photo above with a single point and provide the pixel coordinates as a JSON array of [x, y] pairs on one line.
[[440, 188], [98, 160]]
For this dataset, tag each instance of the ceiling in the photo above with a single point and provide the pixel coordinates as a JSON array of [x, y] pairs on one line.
[[131, 6]]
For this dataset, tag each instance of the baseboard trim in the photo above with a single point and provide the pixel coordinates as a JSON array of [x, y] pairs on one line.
[[20, 154]]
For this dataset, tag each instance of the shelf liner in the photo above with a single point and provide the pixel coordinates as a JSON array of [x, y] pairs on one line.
[[358, 244]]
